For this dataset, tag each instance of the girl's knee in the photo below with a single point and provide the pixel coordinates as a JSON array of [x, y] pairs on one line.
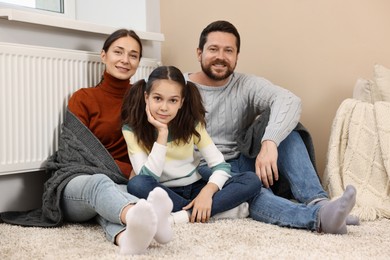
[[139, 182], [252, 180]]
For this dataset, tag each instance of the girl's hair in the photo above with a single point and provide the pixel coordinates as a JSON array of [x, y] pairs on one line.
[[182, 127], [120, 34]]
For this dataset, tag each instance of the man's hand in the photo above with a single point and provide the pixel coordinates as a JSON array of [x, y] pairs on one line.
[[266, 163]]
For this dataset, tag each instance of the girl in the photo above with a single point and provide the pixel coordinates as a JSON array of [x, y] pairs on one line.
[[163, 120]]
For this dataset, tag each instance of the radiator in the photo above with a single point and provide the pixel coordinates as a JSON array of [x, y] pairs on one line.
[[35, 85]]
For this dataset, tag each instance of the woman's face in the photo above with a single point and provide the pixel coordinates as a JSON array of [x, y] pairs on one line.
[[122, 58], [164, 100]]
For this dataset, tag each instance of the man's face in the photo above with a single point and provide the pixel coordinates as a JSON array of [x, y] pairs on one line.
[[218, 59]]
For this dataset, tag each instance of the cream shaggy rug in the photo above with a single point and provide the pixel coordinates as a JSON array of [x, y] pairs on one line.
[[223, 239]]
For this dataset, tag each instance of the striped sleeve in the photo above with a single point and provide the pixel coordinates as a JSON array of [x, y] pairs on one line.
[[214, 158], [144, 164]]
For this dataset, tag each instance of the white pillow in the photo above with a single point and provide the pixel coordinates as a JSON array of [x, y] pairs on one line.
[[382, 81], [365, 90]]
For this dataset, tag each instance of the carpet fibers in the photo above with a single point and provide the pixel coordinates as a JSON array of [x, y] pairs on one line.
[[222, 239]]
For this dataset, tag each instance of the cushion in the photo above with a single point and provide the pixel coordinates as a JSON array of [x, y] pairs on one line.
[[366, 90], [382, 81]]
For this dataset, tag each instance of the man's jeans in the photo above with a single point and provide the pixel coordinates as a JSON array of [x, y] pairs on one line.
[[238, 189], [295, 166], [88, 196]]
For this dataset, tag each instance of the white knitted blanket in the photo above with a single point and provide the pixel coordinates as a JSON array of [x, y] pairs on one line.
[[358, 154]]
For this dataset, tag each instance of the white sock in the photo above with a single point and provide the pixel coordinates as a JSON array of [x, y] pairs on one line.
[[163, 206], [241, 211], [141, 226], [179, 217]]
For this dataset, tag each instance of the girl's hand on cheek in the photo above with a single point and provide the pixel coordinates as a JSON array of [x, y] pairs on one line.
[[162, 129], [158, 125]]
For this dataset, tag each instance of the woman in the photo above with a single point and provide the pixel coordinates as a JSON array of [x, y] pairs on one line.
[[91, 167]]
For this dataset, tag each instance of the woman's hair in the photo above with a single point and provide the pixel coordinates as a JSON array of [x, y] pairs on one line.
[[182, 127], [120, 34]]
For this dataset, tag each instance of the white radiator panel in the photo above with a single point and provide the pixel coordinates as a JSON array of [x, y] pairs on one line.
[[35, 85]]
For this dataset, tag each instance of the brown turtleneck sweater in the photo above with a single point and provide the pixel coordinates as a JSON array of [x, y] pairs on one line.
[[99, 108]]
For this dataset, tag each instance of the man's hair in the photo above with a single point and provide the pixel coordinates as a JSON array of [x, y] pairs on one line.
[[219, 26]]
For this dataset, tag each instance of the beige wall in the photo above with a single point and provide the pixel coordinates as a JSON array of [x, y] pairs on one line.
[[315, 48]]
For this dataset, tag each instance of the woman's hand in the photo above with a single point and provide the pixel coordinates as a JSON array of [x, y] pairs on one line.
[[266, 163], [201, 205]]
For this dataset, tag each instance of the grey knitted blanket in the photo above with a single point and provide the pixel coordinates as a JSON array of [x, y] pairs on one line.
[[79, 153], [249, 140]]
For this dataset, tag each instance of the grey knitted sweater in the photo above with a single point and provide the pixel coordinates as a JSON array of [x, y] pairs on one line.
[[233, 108], [79, 153]]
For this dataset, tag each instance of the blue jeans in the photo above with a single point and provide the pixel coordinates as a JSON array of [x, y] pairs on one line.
[[295, 166], [96, 196], [237, 189]]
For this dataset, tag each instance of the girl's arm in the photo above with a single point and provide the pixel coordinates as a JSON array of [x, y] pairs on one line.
[[201, 205], [151, 164], [214, 158], [144, 164]]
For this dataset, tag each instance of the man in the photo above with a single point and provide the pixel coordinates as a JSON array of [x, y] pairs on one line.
[[233, 101]]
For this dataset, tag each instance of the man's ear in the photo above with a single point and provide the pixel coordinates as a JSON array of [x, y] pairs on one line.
[[199, 54]]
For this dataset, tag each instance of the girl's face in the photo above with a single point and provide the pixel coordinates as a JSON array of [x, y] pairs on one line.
[[122, 58], [164, 100]]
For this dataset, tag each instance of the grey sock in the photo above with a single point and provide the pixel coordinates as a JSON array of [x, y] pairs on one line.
[[333, 214], [352, 220], [349, 220]]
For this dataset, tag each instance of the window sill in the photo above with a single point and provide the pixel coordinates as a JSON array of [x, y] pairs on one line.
[[66, 23]]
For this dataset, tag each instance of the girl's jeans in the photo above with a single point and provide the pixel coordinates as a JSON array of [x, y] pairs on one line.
[[238, 189], [295, 166], [88, 196]]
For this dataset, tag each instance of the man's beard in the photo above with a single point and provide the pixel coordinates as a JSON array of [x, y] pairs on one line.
[[207, 70]]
